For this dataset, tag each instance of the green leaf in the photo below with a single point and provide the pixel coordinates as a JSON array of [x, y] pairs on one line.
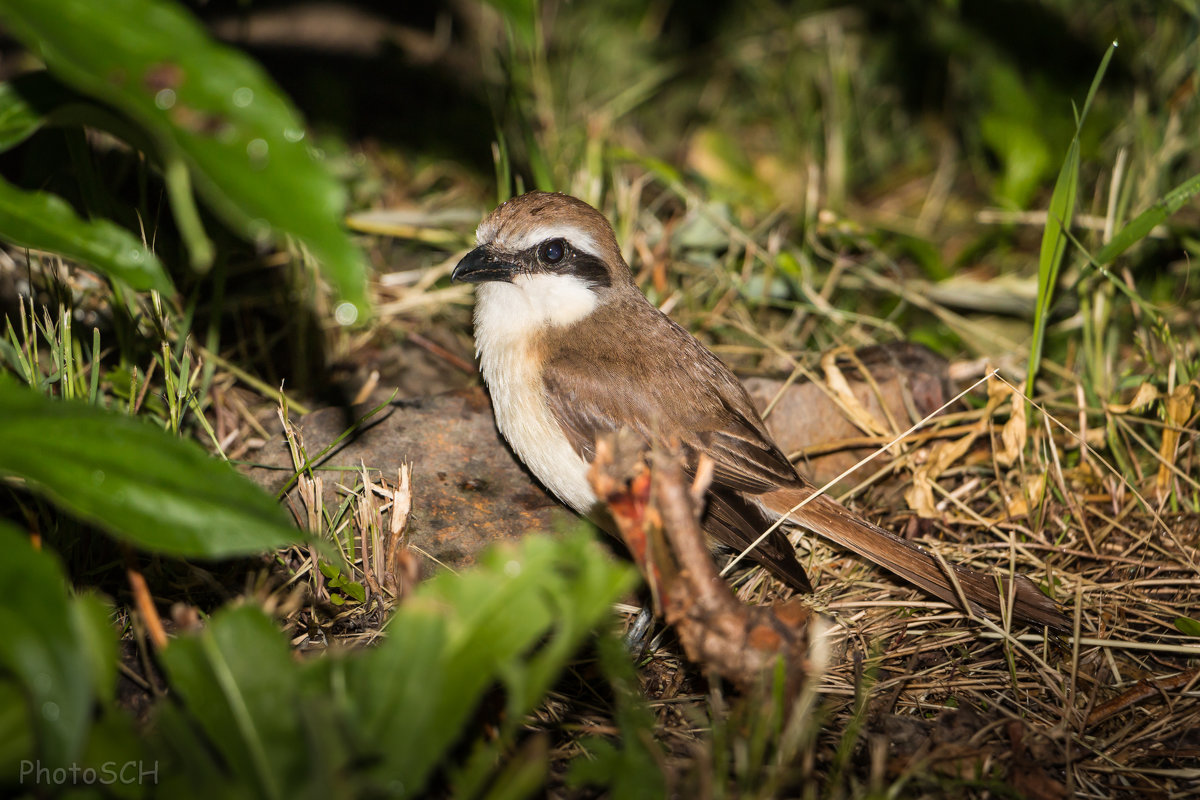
[[354, 590], [516, 618], [19, 119], [45, 222], [382, 721], [335, 580], [1055, 237], [1188, 626], [1013, 130], [521, 15], [524, 774], [241, 685], [208, 107], [91, 615], [1054, 246], [1141, 225], [41, 648], [16, 732], [141, 484]]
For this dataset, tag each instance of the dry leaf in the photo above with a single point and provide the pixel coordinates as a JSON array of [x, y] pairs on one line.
[[1015, 431], [942, 455], [847, 399], [1146, 394], [1178, 411], [1033, 488], [919, 495]]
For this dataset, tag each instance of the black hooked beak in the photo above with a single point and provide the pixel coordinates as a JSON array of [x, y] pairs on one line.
[[481, 265]]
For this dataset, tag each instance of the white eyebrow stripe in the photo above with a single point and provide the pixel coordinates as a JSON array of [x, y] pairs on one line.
[[577, 238], [486, 232]]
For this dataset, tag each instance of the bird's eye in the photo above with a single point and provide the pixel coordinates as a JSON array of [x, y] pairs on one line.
[[552, 251]]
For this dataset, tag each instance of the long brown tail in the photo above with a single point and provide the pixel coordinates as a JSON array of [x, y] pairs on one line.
[[983, 593]]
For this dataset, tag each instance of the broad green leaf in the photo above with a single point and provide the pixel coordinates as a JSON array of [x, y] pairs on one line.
[[118, 750], [1141, 225], [189, 765], [396, 711], [213, 113], [91, 616], [33, 100], [16, 733], [41, 648], [516, 619], [45, 222], [524, 774], [240, 683], [384, 719], [577, 587], [144, 486], [18, 118]]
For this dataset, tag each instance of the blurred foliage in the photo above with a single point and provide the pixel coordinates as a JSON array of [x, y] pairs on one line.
[[49, 653], [248, 719], [213, 116], [138, 482]]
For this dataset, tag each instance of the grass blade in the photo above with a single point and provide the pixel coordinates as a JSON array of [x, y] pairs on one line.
[[1145, 222], [1058, 223]]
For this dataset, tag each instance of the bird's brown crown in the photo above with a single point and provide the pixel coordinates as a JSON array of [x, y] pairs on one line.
[[522, 223]]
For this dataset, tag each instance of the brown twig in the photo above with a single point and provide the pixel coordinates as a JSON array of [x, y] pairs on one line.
[[441, 352], [144, 602], [1142, 691], [655, 506]]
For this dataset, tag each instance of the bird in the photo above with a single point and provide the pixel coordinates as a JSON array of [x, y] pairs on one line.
[[571, 349]]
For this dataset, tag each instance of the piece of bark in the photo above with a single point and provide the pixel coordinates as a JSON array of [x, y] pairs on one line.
[[658, 516], [467, 489], [912, 382]]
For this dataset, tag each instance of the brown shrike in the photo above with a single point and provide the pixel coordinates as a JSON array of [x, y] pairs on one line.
[[570, 349]]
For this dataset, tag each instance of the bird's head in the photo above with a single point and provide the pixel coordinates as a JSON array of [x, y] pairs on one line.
[[546, 258]]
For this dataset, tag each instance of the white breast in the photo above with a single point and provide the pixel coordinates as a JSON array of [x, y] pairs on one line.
[[508, 317]]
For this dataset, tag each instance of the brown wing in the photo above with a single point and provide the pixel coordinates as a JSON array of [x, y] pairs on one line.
[[654, 378]]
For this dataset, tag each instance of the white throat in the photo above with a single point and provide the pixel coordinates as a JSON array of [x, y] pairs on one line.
[[507, 312], [508, 318]]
